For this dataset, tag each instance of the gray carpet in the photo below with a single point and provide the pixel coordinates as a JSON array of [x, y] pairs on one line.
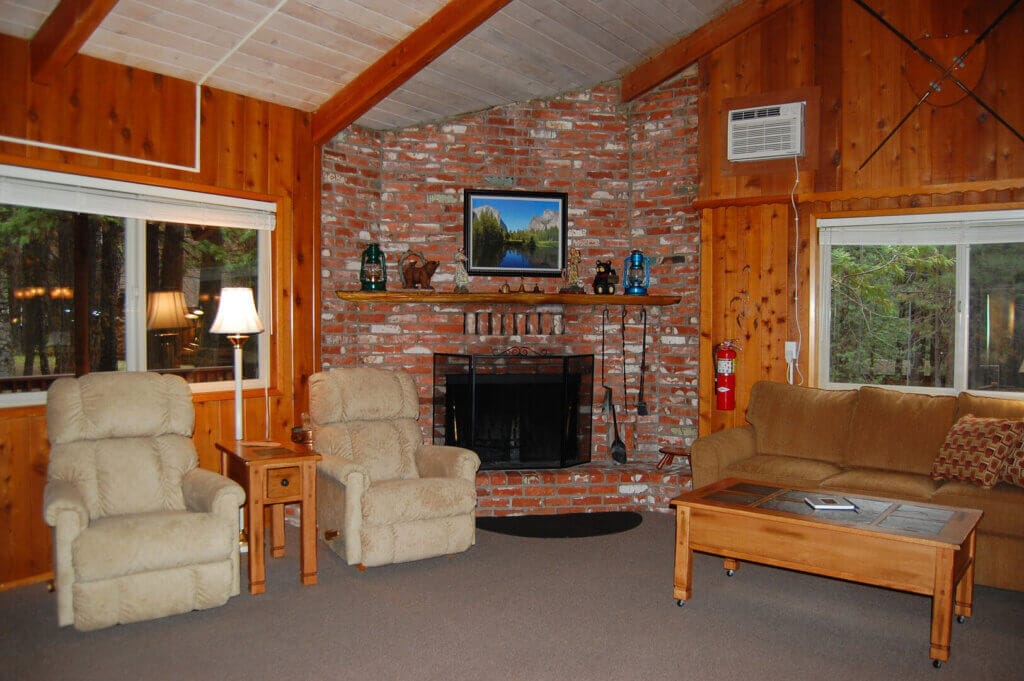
[[528, 610]]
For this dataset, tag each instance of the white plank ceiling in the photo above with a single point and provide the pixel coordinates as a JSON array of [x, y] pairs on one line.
[[301, 52]]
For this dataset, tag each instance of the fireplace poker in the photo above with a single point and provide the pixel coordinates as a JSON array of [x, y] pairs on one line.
[[641, 406], [618, 447], [606, 404]]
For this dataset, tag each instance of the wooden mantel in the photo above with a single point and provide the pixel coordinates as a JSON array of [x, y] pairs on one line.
[[418, 296]]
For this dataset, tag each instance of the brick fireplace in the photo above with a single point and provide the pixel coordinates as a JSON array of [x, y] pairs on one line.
[[516, 410], [630, 172]]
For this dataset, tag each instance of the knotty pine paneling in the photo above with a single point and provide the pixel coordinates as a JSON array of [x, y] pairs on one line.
[[772, 57], [247, 148], [956, 155], [745, 296]]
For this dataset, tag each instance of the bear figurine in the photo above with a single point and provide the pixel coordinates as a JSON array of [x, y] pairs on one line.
[[606, 278], [418, 276]]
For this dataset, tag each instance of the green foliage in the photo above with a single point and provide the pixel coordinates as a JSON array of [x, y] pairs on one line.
[[488, 239], [892, 315]]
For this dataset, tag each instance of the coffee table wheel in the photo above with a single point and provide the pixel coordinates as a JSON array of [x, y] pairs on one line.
[[680, 602], [730, 573], [961, 618], [937, 663]]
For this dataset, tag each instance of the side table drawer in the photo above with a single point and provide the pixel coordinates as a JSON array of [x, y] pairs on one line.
[[284, 482]]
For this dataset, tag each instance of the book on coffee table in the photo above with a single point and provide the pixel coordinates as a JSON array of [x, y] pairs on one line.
[[826, 502]]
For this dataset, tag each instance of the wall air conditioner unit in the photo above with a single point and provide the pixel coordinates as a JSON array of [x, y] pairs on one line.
[[775, 131]]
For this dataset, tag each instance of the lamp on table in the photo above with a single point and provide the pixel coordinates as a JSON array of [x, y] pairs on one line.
[[237, 317], [165, 314]]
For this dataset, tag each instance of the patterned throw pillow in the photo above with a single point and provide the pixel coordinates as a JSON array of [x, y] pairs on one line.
[[1013, 469], [976, 450]]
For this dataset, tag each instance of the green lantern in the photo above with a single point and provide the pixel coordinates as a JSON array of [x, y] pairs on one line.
[[373, 269]]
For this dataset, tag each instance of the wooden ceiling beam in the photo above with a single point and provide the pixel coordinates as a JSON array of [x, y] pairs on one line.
[[673, 59], [449, 25], [63, 33]]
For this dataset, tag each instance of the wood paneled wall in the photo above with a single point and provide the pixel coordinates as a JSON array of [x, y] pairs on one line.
[[951, 155], [247, 148]]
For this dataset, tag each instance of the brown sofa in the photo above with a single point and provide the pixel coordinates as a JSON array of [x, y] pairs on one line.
[[870, 441]]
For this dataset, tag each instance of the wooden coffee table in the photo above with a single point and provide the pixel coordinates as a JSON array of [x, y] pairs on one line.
[[910, 546]]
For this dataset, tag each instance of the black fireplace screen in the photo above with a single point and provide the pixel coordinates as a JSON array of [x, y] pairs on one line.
[[515, 411]]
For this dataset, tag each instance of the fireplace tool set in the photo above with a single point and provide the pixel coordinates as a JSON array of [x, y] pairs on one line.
[[617, 447]]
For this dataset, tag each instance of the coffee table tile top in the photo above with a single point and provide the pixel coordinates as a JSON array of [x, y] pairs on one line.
[[886, 515], [918, 519]]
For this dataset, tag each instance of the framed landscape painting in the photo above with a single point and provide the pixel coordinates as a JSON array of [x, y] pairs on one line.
[[511, 233]]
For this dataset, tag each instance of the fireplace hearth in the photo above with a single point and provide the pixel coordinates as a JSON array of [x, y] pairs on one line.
[[516, 411]]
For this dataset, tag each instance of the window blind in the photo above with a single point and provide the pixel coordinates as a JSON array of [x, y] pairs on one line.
[[82, 194], [978, 227]]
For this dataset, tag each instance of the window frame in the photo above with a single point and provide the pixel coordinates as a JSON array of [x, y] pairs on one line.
[[138, 203], [959, 228]]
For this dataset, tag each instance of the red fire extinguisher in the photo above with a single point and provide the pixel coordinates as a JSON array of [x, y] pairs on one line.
[[725, 375]]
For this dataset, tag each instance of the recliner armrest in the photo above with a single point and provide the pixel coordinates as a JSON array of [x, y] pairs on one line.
[[712, 454], [342, 470], [444, 461], [209, 492], [354, 479], [60, 496]]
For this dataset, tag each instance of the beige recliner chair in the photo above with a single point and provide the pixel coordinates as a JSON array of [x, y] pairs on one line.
[[382, 495], [139, 530]]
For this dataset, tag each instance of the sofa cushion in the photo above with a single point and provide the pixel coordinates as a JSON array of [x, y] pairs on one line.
[[807, 423], [1002, 505], [976, 449], [782, 470], [898, 431], [989, 407], [875, 482]]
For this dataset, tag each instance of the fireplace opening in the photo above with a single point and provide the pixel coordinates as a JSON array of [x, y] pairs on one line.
[[515, 410]]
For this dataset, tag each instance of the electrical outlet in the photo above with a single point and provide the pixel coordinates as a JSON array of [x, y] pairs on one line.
[[791, 351]]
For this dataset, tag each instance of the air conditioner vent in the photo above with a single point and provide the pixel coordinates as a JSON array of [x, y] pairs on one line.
[[766, 132]]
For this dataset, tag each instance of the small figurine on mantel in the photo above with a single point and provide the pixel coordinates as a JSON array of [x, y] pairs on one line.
[[416, 274], [573, 281], [605, 278], [461, 276]]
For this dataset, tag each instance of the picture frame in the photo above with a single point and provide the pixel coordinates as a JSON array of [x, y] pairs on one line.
[[515, 233]]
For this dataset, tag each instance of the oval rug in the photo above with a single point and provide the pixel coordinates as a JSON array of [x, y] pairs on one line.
[[561, 525]]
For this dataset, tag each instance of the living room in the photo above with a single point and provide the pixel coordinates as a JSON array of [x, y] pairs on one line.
[[644, 169]]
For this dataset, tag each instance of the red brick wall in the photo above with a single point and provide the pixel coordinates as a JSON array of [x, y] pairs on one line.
[[630, 172]]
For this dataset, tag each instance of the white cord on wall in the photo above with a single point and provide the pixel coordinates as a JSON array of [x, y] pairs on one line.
[[793, 364]]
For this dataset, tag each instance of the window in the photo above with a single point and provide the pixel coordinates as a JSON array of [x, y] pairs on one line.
[[932, 302], [104, 276]]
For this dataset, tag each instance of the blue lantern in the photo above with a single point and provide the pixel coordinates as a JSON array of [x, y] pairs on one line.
[[637, 274]]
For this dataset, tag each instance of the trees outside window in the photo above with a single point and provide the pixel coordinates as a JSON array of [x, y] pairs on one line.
[[928, 301]]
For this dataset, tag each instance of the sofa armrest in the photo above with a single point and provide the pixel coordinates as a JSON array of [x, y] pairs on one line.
[[712, 454], [444, 461], [209, 492]]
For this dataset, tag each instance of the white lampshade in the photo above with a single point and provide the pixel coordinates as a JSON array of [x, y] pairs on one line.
[[237, 312], [166, 310]]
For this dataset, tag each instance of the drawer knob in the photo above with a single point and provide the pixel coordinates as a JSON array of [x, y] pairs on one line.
[[284, 482]]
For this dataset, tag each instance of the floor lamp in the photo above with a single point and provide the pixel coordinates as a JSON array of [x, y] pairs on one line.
[[237, 317]]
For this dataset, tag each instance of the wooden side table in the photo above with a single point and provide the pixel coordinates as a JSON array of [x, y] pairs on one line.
[[272, 476]]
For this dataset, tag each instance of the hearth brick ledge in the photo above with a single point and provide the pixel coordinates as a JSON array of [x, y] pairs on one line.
[[590, 487]]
